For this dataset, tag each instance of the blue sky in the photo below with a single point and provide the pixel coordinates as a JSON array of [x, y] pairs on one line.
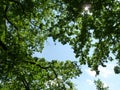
[[57, 51]]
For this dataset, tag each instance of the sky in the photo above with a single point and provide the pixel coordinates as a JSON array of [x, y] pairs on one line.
[[57, 51]]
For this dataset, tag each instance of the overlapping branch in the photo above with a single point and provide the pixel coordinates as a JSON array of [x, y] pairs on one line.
[[46, 68]]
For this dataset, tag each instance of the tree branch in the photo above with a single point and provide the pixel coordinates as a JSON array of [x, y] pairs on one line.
[[3, 45], [56, 76], [25, 83], [33, 63], [6, 9], [11, 23]]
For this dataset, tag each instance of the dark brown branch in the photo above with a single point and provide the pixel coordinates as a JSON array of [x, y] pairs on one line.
[[56, 76], [33, 63], [3, 45], [25, 83], [11, 23], [6, 9]]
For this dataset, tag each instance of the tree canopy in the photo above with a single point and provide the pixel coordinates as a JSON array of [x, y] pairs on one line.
[[26, 24], [100, 85]]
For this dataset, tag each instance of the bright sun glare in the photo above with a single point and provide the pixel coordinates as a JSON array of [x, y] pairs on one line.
[[87, 7]]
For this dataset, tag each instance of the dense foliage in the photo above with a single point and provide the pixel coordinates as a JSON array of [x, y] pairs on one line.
[[26, 24]]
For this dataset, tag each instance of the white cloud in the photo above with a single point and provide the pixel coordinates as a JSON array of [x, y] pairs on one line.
[[90, 72], [105, 72], [105, 85], [90, 82]]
